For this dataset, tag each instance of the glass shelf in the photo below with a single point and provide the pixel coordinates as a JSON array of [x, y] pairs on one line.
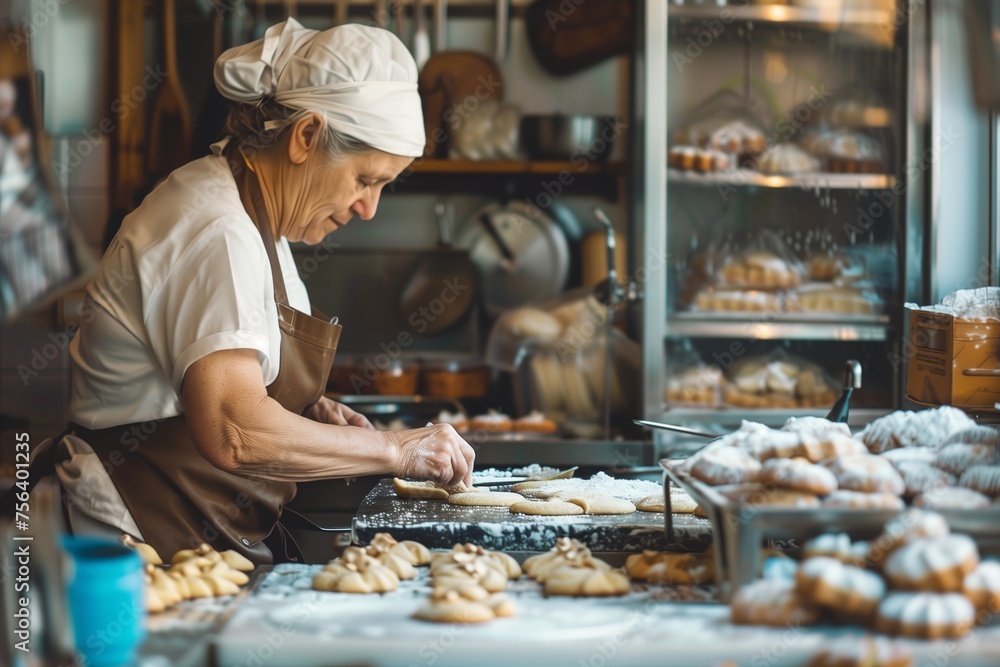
[[815, 181], [829, 17], [764, 326]]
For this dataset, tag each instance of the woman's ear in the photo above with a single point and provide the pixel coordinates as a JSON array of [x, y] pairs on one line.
[[304, 137]]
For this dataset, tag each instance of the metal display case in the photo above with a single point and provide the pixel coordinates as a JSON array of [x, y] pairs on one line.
[[845, 84]]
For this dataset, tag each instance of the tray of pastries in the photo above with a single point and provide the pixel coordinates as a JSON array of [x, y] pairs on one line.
[[813, 476]]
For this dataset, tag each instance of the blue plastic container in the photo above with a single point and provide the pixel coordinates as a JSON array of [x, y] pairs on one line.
[[105, 589]]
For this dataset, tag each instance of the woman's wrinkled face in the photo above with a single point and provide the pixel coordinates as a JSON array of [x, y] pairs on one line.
[[337, 191]]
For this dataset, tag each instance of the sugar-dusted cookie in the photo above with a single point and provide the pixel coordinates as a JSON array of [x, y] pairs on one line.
[[828, 545], [913, 524], [866, 473], [867, 651], [918, 454], [984, 479], [834, 445], [724, 465], [762, 495], [844, 589], [975, 434], [932, 564], [551, 507], [952, 498], [771, 602], [982, 586], [919, 477], [959, 457], [925, 615], [861, 500], [798, 474], [492, 499]]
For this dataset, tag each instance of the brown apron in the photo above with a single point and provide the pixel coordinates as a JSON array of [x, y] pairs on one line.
[[179, 499]]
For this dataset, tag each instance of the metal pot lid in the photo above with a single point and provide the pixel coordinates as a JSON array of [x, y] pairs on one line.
[[526, 260]]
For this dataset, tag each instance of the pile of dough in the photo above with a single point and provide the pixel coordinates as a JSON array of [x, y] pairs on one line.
[[405, 488], [355, 572], [400, 557], [193, 573], [589, 577], [465, 604]]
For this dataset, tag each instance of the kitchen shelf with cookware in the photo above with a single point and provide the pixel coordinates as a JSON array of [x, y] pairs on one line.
[[833, 15]]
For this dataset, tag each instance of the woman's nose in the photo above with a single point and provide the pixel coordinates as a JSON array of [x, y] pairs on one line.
[[366, 206]]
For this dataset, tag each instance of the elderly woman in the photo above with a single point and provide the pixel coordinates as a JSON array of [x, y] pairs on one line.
[[198, 376]]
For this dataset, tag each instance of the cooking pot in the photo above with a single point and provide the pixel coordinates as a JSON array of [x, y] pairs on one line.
[[562, 137]]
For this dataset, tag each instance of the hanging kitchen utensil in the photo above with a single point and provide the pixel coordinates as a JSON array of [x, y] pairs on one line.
[[583, 36], [531, 264], [170, 124], [444, 284], [502, 30], [452, 79], [421, 40], [440, 26]]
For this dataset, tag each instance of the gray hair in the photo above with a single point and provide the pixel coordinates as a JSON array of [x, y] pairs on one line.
[[246, 124]]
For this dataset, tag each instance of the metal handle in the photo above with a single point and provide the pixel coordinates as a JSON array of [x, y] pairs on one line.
[[509, 260], [852, 375], [982, 372]]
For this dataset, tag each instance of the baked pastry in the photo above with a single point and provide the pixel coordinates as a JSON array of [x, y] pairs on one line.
[[737, 138], [958, 457], [772, 602], [355, 572], [760, 270], [699, 385], [975, 435], [830, 448], [844, 589], [838, 299], [904, 428], [826, 267], [798, 474], [730, 300], [725, 465], [678, 569], [776, 384], [760, 495], [492, 422], [851, 152], [925, 615], [867, 473], [921, 477], [566, 551], [911, 525], [816, 428], [984, 479], [787, 159], [461, 554], [829, 545], [534, 422], [412, 552], [865, 651], [910, 454], [587, 579], [932, 564], [982, 587], [773, 445], [469, 604], [862, 500], [952, 498]]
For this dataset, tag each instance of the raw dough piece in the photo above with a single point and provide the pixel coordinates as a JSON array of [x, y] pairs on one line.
[[470, 604], [492, 499], [598, 504], [587, 579], [475, 570], [552, 507], [465, 553], [566, 551], [355, 572]]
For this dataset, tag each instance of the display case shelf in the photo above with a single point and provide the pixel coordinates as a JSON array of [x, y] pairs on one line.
[[764, 326], [731, 417], [816, 181], [589, 167], [829, 17]]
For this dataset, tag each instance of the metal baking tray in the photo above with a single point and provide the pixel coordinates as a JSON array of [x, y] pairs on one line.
[[739, 531]]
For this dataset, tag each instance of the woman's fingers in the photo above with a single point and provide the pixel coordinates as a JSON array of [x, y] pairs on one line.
[[436, 452]]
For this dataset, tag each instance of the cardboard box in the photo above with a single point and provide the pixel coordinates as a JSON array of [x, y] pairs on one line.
[[953, 361]]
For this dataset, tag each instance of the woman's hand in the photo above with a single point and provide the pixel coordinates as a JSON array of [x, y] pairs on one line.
[[327, 411], [435, 452]]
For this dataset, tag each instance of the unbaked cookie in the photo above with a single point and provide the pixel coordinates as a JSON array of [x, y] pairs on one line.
[[982, 586], [984, 479], [959, 457], [952, 498], [425, 490], [861, 500], [465, 553], [551, 507], [772, 602], [725, 465], [680, 503], [492, 499], [844, 589], [925, 615], [460, 606], [798, 475], [938, 565], [355, 572], [865, 651], [566, 551], [867, 473], [598, 504], [476, 571]]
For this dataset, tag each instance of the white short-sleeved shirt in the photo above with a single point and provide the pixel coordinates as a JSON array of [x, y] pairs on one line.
[[187, 275]]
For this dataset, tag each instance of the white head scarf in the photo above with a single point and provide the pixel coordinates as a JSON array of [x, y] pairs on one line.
[[362, 78]]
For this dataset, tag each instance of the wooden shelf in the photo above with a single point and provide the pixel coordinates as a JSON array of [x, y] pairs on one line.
[[516, 167]]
